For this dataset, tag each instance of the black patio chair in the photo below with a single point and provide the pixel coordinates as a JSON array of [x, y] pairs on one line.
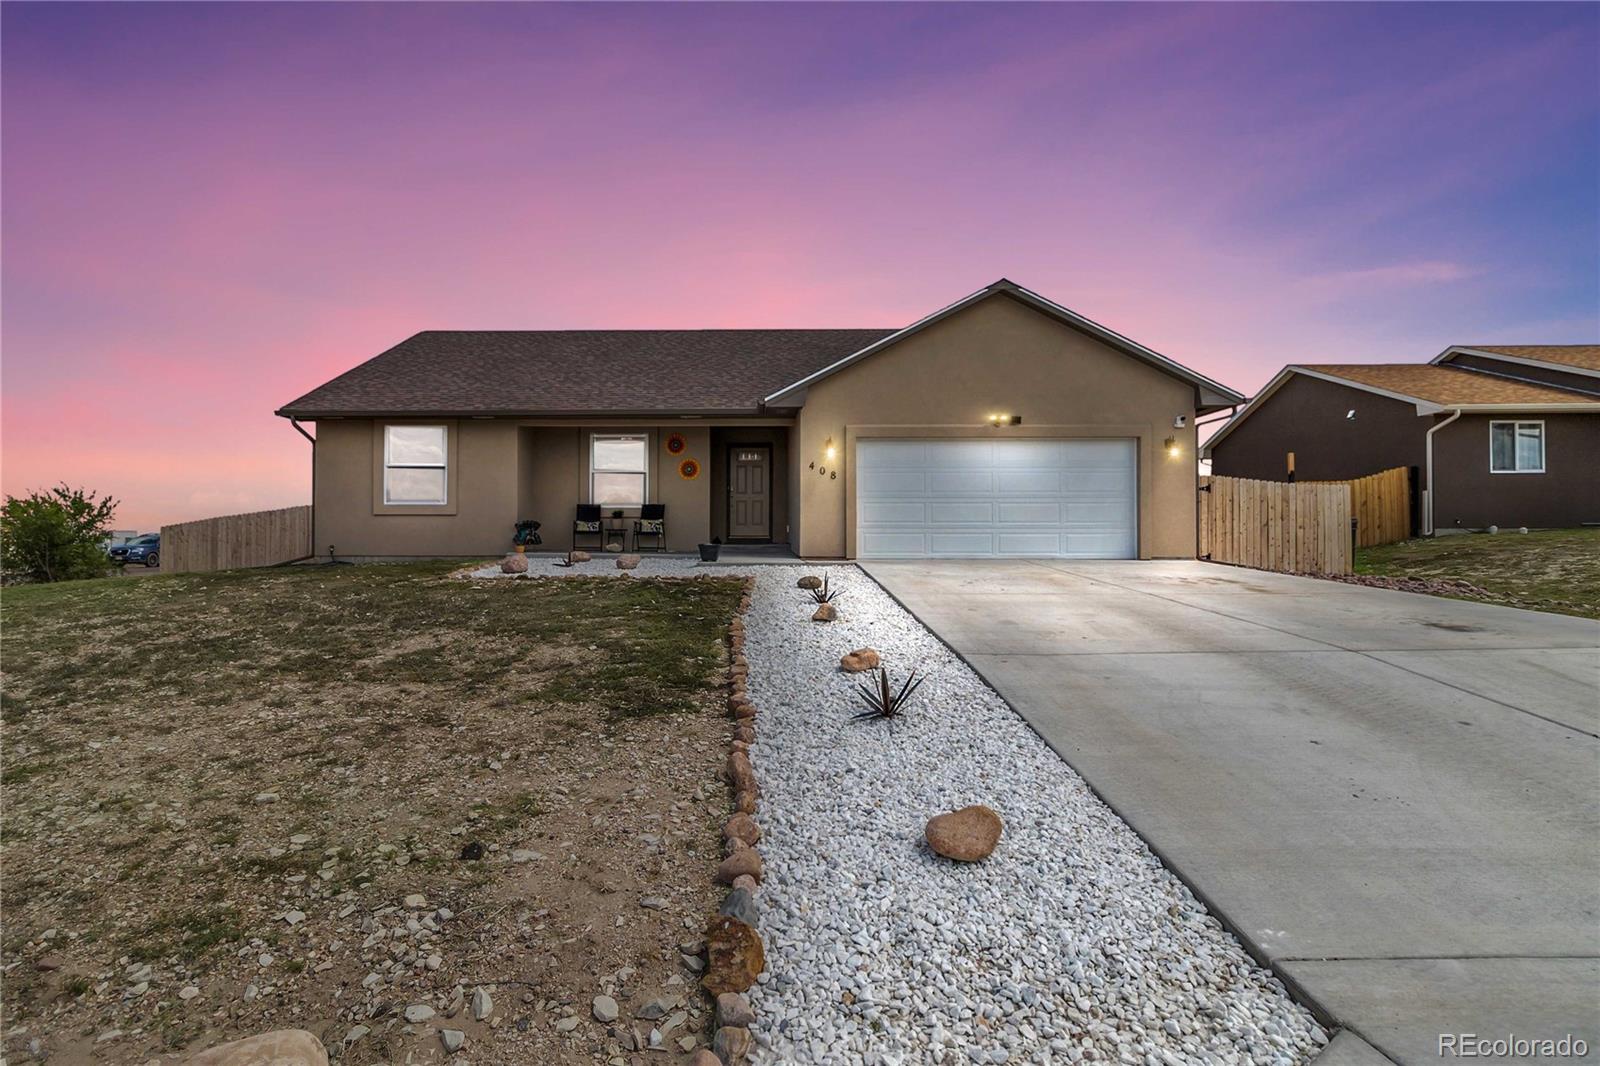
[[652, 522], [587, 523]]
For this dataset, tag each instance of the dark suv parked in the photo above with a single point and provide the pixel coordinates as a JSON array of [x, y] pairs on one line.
[[145, 549]]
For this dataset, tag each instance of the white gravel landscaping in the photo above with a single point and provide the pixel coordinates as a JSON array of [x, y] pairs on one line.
[[1070, 943]]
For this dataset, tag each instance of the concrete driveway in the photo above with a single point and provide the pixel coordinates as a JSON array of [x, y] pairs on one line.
[[1393, 799]]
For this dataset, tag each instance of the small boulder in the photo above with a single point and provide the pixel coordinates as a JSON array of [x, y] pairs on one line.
[[705, 1058], [281, 1047], [744, 802], [732, 1044], [733, 1009], [515, 563], [627, 562], [740, 904], [452, 1039], [809, 582], [746, 861], [418, 1013], [613, 547], [746, 882], [966, 835], [578, 557], [860, 661], [825, 612], [741, 775], [734, 955], [742, 827]]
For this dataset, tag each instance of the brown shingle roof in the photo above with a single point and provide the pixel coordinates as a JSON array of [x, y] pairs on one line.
[[475, 372], [1583, 356], [1447, 385]]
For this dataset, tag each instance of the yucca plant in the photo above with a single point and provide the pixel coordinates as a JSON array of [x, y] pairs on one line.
[[881, 699], [823, 594]]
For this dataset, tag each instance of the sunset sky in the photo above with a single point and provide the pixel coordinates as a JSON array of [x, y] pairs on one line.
[[210, 209]]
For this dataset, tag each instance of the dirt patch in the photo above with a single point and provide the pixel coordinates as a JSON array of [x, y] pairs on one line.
[[224, 794]]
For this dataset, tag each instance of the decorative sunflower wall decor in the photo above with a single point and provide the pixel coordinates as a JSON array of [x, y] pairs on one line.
[[689, 469], [676, 444]]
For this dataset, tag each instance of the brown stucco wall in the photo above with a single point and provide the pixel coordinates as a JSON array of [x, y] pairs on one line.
[[1307, 416], [1470, 497], [483, 494], [998, 356], [724, 438]]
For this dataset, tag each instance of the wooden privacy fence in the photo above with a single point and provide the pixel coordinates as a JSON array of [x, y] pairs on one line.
[[260, 538], [1381, 505], [1289, 526]]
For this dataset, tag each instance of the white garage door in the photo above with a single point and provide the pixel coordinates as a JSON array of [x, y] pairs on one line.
[[1074, 499]]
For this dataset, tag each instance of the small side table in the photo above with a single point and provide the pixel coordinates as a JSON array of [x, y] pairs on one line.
[[617, 530]]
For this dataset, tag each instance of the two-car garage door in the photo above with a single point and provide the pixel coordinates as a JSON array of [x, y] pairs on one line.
[[1075, 499]]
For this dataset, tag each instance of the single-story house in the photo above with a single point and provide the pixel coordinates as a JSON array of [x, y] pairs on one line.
[[1001, 425], [1503, 435]]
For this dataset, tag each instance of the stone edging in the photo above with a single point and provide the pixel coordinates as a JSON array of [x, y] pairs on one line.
[[735, 955]]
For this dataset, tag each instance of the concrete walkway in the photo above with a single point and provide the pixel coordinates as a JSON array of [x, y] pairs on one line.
[[1393, 799]]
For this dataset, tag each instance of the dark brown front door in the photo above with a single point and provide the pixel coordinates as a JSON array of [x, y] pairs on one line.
[[749, 513]]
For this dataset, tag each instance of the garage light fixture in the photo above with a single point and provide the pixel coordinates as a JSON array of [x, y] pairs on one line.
[[1005, 420], [1173, 451]]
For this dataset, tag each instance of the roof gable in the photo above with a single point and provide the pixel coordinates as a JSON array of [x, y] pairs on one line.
[[1570, 358], [1212, 394]]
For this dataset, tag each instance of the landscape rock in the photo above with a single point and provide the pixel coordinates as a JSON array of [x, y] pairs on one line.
[[732, 1045], [745, 802], [514, 563], [281, 1047], [658, 1007], [578, 557], [418, 1013], [860, 660], [605, 1009], [742, 827], [825, 612], [613, 547], [745, 862], [740, 904], [810, 581], [705, 1058], [627, 562], [967, 835], [416, 902], [567, 1024], [482, 1003], [735, 956], [741, 775], [452, 1039], [734, 1010], [746, 882]]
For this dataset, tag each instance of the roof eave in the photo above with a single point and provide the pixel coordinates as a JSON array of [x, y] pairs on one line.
[[306, 415], [1521, 360]]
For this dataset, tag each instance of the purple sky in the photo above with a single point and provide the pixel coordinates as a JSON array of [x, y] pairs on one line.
[[209, 209]]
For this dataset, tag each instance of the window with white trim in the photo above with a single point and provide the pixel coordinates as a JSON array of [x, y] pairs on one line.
[[1516, 447], [618, 470], [415, 466]]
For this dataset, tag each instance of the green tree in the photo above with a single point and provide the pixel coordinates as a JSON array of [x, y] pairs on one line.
[[56, 535]]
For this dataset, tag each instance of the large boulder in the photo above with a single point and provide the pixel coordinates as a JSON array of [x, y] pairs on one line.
[[281, 1047], [860, 660], [966, 835], [734, 955], [515, 563]]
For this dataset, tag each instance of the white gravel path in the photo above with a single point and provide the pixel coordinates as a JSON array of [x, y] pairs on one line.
[[1070, 943]]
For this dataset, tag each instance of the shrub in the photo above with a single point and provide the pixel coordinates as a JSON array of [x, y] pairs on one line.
[[56, 535]]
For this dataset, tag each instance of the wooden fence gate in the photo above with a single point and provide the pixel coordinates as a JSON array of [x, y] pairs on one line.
[[260, 538], [1294, 527]]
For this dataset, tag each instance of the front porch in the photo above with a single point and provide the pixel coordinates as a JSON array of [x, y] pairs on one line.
[[728, 483]]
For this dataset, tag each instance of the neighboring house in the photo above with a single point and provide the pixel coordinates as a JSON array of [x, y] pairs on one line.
[[1504, 435], [1002, 425]]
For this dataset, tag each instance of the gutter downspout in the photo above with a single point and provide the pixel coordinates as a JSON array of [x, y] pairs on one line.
[[311, 549], [1428, 437]]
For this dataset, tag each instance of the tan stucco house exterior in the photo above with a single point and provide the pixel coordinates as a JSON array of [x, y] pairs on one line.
[[1001, 425]]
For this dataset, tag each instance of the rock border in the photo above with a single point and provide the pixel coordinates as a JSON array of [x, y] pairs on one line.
[[735, 955]]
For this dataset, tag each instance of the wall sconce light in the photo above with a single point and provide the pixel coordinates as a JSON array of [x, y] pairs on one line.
[[829, 450], [1173, 451], [1005, 420]]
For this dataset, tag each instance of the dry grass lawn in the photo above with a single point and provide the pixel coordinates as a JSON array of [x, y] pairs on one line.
[[219, 791], [1549, 570]]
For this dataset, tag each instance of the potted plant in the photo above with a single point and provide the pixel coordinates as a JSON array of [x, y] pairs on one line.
[[708, 552]]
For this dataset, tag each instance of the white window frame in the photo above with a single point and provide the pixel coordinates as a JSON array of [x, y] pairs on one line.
[[443, 465], [644, 467], [1516, 425]]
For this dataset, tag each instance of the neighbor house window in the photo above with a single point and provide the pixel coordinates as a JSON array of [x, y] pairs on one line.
[[414, 465], [1516, 447], [617, 470]]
